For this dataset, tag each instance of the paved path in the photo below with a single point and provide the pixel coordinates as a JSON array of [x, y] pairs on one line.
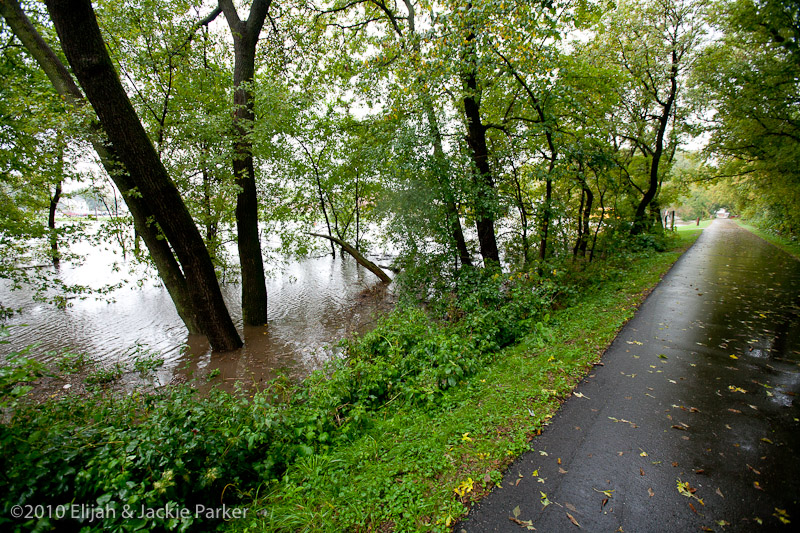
[[700, 387]]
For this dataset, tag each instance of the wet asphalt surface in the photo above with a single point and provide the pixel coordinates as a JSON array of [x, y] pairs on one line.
[[700, 387]]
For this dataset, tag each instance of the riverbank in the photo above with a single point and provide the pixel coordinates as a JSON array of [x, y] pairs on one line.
[[415, 425]]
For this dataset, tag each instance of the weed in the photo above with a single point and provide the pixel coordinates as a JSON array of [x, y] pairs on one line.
[[71, 363], [104, 375]]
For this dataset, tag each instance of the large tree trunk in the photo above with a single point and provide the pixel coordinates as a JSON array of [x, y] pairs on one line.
[[245, 37], [640, 217], [545, 226], [585, 211], [440, 159], [51, 224], [484, 183], [85, 49], [168, 269]]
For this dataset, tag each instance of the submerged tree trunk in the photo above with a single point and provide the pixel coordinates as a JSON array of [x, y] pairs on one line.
[[85, 49], [51, 223], [168, 269], [363, 261], [245, 38]]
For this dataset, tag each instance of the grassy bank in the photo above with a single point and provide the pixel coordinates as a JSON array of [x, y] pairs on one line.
[[404, 434], [420, 469], [787, 245]]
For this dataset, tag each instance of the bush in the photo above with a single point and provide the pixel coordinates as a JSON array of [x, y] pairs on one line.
[[174, 449]]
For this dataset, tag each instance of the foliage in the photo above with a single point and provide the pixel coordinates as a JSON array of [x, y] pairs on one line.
[[174, 448], [750, 79]]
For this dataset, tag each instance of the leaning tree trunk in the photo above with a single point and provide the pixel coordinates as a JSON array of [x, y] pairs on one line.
[[363, 261], [168, 269], [245, 38], [86, 52]]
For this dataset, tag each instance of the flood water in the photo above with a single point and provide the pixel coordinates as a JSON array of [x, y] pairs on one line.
[[313, 304]]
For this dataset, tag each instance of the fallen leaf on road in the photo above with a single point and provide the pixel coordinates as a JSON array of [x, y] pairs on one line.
[[719, 492], [571, 507], [692, 508], [572, 519], [561, 471], [735, 411], [734, 357], [581, 395], [765, 439], [753, 470], [607, 492], [650, 492], [527, 524], [736, 389], [678, 427], [545, 501], [781, 515], [757, 485], [623, 421], [641, 472]]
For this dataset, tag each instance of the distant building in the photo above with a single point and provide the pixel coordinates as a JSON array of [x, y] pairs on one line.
[[722, 213]]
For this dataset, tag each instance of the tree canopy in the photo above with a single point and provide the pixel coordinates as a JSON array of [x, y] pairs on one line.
[[491, 134]]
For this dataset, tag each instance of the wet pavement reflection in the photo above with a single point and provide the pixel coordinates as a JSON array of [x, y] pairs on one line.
[[693, 422]]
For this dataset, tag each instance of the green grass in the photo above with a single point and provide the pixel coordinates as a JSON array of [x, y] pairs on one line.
[[693, 229], [404, 434], [789, 246], [420, 469]]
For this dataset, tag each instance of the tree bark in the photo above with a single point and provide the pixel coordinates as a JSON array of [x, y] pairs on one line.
[[168, 269], [587, 199], [85, 49], [476, 139], [245, 38], [51, 224], [545, 228], [363, 261], [640, 217]]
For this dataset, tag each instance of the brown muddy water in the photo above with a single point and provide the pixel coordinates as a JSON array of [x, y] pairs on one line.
[[313, 304]]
